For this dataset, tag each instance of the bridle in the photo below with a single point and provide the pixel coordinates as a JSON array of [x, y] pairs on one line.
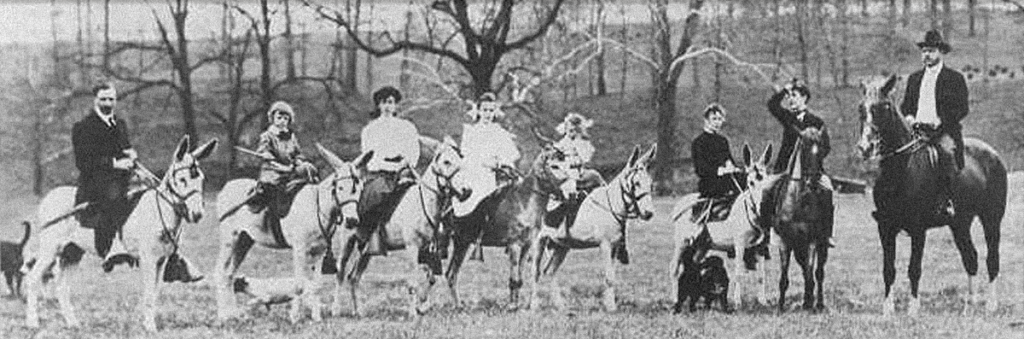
[[911, 146], [627, 195]]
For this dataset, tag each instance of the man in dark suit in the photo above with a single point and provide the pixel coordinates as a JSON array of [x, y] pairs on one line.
[[105, 159], [935, 102], [789, 107]]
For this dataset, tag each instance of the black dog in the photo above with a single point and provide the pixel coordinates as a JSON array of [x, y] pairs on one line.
[[707, 279], [11, 260]]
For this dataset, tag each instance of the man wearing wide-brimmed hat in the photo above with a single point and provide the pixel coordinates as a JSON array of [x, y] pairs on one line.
[[935, 102]]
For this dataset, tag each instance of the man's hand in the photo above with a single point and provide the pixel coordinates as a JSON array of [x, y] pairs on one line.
[[124, 163], [728, 168], [131, 153], [910, 119]]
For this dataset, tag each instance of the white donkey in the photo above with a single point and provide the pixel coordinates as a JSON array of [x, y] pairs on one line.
[[151, 233], [737, 233], [308, 229]]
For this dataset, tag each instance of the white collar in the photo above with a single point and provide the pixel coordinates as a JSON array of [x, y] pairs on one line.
[[107, 118], [709, 131], [934, 69], [800, 116]]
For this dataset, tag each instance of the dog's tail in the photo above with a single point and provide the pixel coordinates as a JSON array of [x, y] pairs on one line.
[[28, 231]]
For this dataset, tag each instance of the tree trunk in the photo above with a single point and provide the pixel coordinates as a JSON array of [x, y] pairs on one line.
[[184, 70], [933, 13], [106, 32], [970, 17], [289, 41], [863, 8], [907, 9], [947, 18], [801, 13], [844, 44]]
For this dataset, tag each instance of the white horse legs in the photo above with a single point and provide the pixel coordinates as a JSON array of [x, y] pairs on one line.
[[234, 246], [735, 285], [150, 283], [63, 276], [609, 277]]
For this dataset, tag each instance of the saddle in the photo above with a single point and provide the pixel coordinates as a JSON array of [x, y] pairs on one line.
[[278, 202], [712, 209], [567, 211]]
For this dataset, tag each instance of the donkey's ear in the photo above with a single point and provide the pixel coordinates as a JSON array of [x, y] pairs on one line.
[[205, 150], [331, 158], [767, 155], [633, 157], [889, 85], [363, 159], [182, 149], [746, 154], [649, 156]]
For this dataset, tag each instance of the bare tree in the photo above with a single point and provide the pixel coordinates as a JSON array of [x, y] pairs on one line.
[[907, 9], [483, 46], [971, 4]]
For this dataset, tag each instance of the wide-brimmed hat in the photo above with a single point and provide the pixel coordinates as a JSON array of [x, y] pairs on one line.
[[574, 122], [933, 38]]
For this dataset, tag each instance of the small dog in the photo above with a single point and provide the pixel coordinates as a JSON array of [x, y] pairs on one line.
[[707, 279], [11, 260], [270, 291]]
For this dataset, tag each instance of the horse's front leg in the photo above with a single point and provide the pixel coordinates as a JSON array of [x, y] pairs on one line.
[[784, 256], [150, 279], [299, 253], [45, 258], [234, 245], [418, 304], [460, 246], [312, 282], [348, 242], [888, 238], [609, 276], [739, 272], [917, 240], [819, 276], [64, 274]]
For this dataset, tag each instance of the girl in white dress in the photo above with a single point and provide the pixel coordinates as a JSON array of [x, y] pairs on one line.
[[487, 148]]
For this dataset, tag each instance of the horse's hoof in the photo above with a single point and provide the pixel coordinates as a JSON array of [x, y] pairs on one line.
[[888, 308]]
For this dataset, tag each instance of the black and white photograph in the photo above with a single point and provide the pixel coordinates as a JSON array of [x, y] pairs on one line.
[[512, 169]]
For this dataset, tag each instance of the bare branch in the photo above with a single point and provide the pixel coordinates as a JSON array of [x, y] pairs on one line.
[[693, 53], [544, 25]]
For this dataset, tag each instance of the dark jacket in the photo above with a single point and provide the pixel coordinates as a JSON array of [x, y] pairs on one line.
[[710, 151], [791, 127], [96, 146], [951, 102]]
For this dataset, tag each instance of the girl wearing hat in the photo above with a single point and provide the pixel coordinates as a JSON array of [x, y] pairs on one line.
[[488, 149], [284, 169]]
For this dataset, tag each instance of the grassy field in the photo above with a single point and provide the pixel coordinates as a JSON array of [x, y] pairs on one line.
[[107, 303]]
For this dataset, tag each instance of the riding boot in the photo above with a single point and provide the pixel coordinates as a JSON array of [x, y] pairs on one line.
[[118, 255], [178, 269]]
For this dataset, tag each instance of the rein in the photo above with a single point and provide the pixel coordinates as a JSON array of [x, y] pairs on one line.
[[632, 208]]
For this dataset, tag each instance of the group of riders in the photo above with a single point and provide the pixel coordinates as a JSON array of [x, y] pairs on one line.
[[934, 103]]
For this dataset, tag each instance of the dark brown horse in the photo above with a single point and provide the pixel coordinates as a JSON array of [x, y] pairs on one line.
[[905, 193], [798, 216], [512, 218]]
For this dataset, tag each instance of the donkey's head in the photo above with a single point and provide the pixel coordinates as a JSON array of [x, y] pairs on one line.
[[183, 181], [447, 162], [637, 183], [346, 182]]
